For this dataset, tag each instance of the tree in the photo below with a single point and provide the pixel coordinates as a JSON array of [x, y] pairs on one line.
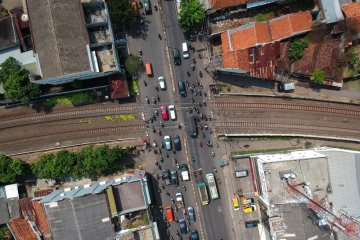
[[44, 167], [5, 233], [16, 81], [122, 12], [296, 49], [192, 14], [318, 76], [132, 64], [10, 169], [354, 58]]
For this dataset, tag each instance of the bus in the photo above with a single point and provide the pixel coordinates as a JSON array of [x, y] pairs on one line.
[[192, 129], [214, 194]]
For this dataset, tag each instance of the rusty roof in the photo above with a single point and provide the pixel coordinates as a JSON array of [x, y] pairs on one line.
[[42, 193], [218, 4], [319, 57], [283, 62], [119, 86], [42, 221], [22, 229]]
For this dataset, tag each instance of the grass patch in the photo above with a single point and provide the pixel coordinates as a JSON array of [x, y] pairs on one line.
[[346, 148], [234, 139], [263, 151], [133, 89], [263, 16], [75, 99]]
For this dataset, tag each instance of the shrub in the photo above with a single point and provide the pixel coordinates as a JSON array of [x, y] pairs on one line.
[[318, 76]]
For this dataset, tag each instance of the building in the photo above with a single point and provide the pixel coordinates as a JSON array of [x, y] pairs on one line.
[[253, 48], [331, 11], [309, 194], [352, 14], [72, 40], [9, 207], [214, 5], [100, 210]]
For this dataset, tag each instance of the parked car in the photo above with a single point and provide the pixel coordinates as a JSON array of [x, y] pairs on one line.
[[182, 89], [172, 112], [169, 213], [135, 7], [162, 83], [235, 202], [147, 6], [177, 143], [251, 224], [177, 57], [164, 113], [166, 176], [167, 141], [249, 208], [183, 227], [174, 178], [286, 87], [194, 235], [246, 201], [191, 214], [241, 173]]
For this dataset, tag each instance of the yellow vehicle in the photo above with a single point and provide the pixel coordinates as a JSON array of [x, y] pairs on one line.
[[235, 203], [249, 209]]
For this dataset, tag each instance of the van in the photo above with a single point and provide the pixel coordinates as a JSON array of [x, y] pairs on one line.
[[148, 69], [241, 173], [185, 50], [286, 87], [169, 214], [182, 89]]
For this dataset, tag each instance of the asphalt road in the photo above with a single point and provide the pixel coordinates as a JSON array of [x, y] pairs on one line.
[[214, 220]]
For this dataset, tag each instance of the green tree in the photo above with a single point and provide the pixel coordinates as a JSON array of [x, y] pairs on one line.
[[132, 64], [354, 58], [10, 169], [318, 76], [192, 14], [5, 233], [16, 81], [296, 49], [122, 12], [44, 167]]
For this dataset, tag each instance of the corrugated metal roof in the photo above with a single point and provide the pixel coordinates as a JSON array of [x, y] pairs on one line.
[[332, 10]]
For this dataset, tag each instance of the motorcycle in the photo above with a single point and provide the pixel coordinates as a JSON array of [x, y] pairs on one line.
[[200, 74]]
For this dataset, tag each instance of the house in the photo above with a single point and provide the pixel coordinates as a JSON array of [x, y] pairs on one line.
[[214, 5], [352, 14], [253, 48], [9, 207], [72, 41]]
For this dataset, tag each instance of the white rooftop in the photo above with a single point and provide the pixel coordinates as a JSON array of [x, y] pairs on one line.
[[11, 191], [290, 156]]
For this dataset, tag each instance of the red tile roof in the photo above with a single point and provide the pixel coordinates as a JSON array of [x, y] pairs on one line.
[[218, 4], [42, 193], [22, 229], [119, 86], [41, 221], [260, 33], [352, 13], [306, 64], [290, 25]]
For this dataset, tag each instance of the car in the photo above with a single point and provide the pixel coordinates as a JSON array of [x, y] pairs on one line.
[[135, 7], [183, 227], [177, 57], [166, 176], [162, 83], [246, 201], [251, 224], [191, 214], [167, 141], [235, 203], [169, 213], [249, 208], [177, 143], [147, 6], [174, 178], [172, 112], [241, 173], [182, 89], [194, 235], [164, 112]]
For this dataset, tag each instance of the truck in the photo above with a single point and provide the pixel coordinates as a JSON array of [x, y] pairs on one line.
[[203, 193], [179, 200], [214, 194], [185, 172]]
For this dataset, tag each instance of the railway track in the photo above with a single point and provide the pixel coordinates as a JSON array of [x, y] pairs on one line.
[[235, 106], [286, 128], [74, 134], [71, 114]]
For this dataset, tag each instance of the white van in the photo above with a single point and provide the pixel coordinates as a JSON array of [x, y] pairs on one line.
[[172, 112], [185, 50]]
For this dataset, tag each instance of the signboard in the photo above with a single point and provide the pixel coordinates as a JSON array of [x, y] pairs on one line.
[[140, 173]]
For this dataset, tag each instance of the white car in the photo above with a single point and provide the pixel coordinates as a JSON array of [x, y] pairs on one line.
[[167, 141], [172, 112], [162, 83]]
